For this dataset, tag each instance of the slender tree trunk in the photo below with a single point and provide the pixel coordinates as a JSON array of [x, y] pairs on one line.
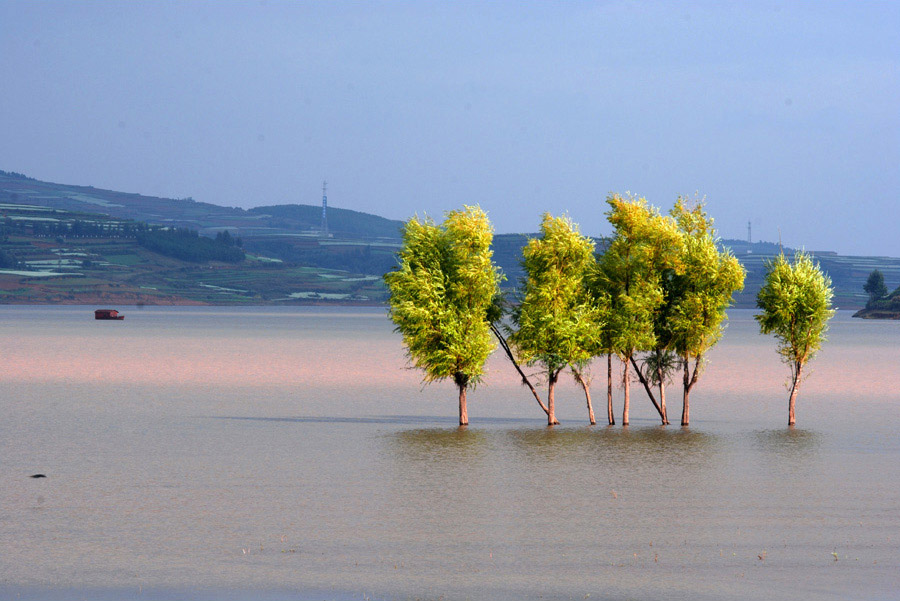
[[626, 386], [463, 410], [515, 363], [662, 390], [689, 381], [609, 404], [587, 397], [686, 407], [646, 384], [551, 385], [794, 390]]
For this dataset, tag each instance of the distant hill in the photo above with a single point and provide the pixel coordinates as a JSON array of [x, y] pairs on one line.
[[343, 222], [53, 256], [19, 189], [284, 245]]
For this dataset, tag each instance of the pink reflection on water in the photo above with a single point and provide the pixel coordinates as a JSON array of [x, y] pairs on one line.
[[744, 362], [184, 360]]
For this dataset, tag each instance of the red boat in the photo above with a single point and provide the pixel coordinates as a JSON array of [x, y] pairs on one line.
[[107, 314]]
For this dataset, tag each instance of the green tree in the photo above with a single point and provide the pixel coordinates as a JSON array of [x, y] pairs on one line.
[[699, 294], [875, 287], [796, 305], [557, 325], [441, 294], [627, 283]]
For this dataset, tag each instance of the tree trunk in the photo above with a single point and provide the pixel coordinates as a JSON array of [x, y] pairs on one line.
[[551, 406], [463, 410], [689, 381], [609, 405], [515, 363], [626, 387], [794, 390], [587, 397], [646, 384], [662, 391], [686, 407]]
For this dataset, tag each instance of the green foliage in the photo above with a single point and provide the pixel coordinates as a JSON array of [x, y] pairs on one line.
[[796, 306], [630, 273], [441, 293], [888, 302], [875, 287], [557, 324], [702, 289], [187, 245]]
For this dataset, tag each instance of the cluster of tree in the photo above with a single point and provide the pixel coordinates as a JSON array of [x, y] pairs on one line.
[[15, 175], [655, 298], [188, 245], [225, 237], [78, 228], [8, 260], [879, 298]]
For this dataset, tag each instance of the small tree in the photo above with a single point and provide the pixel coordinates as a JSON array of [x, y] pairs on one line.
[[796, 305], [441, 294], [556, 324], [875, 287]]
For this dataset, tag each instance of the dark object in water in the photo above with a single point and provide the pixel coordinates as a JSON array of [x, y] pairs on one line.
[[107, 314], [39, 476]]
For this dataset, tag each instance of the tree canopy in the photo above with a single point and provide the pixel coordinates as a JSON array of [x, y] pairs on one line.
[[875, 286]]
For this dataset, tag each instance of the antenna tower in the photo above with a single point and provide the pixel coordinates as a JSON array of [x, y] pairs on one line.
[[749, 238], [324, 209]]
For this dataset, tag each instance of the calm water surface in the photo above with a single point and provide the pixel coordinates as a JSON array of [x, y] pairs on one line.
[[288, 454]]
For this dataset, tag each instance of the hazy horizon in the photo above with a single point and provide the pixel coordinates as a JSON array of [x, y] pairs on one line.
[[782, 114]]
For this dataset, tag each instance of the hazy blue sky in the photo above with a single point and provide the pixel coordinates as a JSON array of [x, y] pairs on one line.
[[783, 113]]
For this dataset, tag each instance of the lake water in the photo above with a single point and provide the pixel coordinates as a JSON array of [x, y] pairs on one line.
[[222, 453]]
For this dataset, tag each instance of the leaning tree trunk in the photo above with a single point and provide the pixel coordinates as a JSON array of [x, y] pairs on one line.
[[646, 384], [463, 410], [551, 405], [626, 388], [609, 404], [794, 390], [587, 397], [515, 363]]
